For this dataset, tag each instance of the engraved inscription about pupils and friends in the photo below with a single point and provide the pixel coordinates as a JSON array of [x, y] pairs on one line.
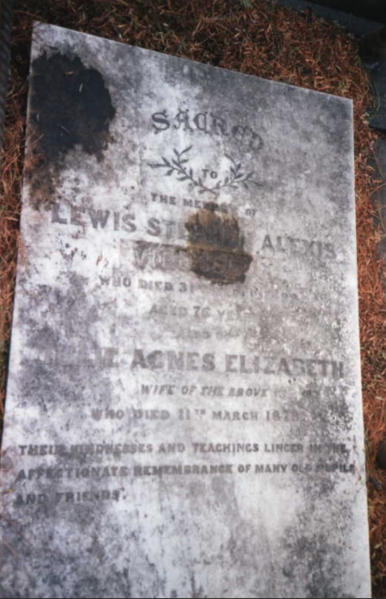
[[284, 458]]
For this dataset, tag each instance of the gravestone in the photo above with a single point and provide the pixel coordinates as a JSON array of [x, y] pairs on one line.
[[184, 413]]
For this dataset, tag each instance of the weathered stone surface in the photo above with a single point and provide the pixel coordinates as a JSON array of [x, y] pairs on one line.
[[184, 412]]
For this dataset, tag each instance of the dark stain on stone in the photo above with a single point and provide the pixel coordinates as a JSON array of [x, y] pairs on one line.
[[70, 107], [216, 246]]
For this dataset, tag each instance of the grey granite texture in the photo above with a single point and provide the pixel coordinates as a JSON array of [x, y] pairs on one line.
[[378, 162], [377, 113], [355, 25], [367, 9], [184, 414]]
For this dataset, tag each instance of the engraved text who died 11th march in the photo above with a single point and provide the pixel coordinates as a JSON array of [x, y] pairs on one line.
[[183, 411]]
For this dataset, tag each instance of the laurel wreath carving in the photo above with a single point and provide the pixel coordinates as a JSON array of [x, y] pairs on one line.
[[179, 166]]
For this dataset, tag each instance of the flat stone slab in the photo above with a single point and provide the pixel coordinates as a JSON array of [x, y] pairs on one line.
[[184, 414]]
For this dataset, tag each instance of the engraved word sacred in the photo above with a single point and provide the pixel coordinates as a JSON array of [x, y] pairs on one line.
[[209, 124]]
